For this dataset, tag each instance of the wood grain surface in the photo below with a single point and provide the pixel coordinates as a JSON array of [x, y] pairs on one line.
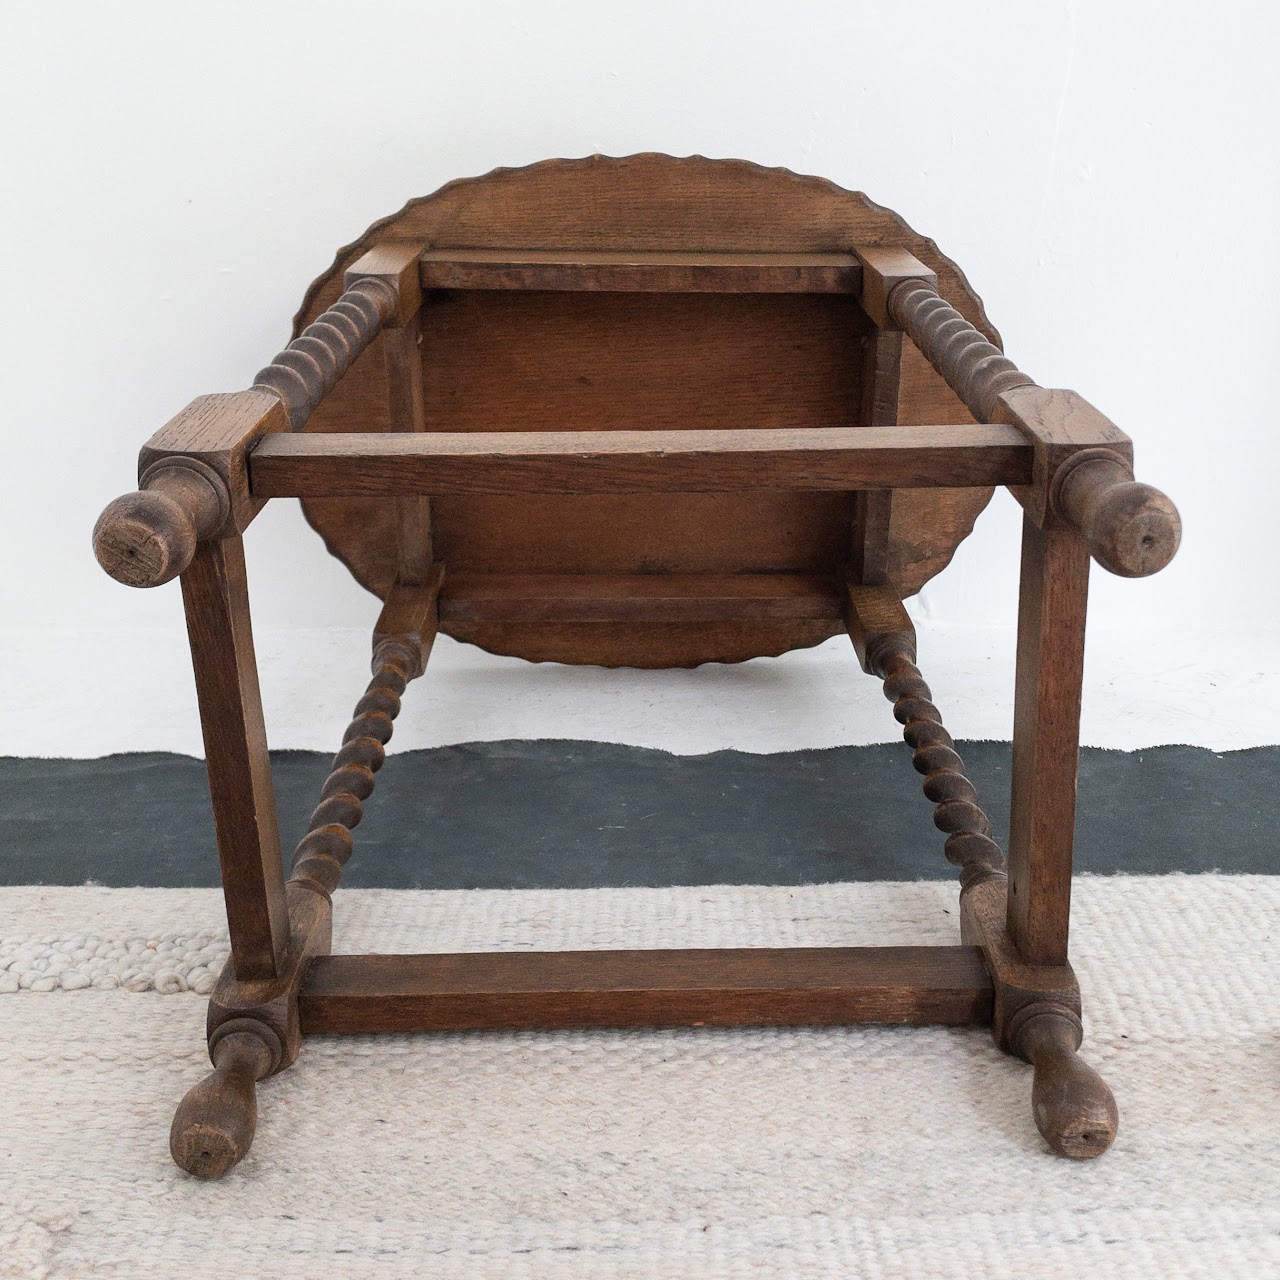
[[802, 460], [564, 358], [640, 272], [1046, 739], [758, 986], [215, 595]]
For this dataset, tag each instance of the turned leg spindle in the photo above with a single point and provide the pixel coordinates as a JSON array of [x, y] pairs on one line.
[[149, 537], [1131, 529], [956, 810], [1074, 1109], [310, 366], [1037, 998], [214, 1124], [326, 848]]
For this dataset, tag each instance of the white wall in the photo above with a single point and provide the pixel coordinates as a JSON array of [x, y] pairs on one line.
[[175, 175]]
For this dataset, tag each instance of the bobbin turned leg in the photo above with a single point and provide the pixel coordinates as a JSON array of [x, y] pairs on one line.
[[1074, 1110], [1083, 499], [1037, 1018], [1036, 1007], [194, 502], [276, 929], [1073, 1107], [254, 1032], [254, 1024], [215, 1122]]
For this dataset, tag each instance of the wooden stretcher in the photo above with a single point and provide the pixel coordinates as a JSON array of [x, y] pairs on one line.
[[641, 412]]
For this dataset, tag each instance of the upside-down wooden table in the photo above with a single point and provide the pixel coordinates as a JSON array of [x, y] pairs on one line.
[[644, 412]]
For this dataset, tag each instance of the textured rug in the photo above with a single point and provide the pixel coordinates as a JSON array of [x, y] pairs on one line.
[[859, 1152]]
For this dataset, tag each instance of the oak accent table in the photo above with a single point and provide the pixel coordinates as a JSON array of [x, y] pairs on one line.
[[641, 412]]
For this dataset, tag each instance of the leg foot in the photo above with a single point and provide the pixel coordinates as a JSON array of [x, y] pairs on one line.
[[215, 1122], [1073, 1108]]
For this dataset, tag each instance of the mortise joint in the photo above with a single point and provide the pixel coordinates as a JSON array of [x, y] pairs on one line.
[[396, 268], [883, 269]]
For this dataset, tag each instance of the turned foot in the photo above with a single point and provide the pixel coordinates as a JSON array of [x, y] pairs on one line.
[[1073, 1108], [215, 1122]]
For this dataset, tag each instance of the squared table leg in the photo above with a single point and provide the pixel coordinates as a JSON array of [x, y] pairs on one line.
[[215, 593], [1046, 740]]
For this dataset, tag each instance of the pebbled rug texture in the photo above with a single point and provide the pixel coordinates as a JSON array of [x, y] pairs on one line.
[[858, 1152]]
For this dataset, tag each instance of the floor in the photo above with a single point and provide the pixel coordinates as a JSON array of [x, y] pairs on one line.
[[883, 1153], [568, 814]]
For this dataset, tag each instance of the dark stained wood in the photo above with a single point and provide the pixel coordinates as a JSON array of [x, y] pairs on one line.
[[1019, 985], [751, 987], [648, 203], [1074, 1109], [916, 550], [410, 617], [873, 508], [214, 1124], [1132, 529], [1046, 739], [402, 643], [394, 264], [879, 626], [613, 272], [645, 428], [1036, 1015], [885, 642], [510, 361], [313, 363], [639, 363], [882, 379], [1060, 424], [215, 593], [884, 267], [254, 1031], [193, 485], [147, 538], [268, 1006], [547, 360], [397, 266], [399, 655], [973, 366], [657, 598], [648, 644], [219, 431], [407, 413], [497, 463]]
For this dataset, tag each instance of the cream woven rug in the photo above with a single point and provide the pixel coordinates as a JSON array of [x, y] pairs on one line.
[[853, 1153]]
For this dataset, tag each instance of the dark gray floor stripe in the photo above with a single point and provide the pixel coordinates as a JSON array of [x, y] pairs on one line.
[[556, 814]]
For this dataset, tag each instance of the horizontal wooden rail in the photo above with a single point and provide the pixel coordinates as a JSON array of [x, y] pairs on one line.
[[315, 465], [795, 986], [586, 271], [648, 598]]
